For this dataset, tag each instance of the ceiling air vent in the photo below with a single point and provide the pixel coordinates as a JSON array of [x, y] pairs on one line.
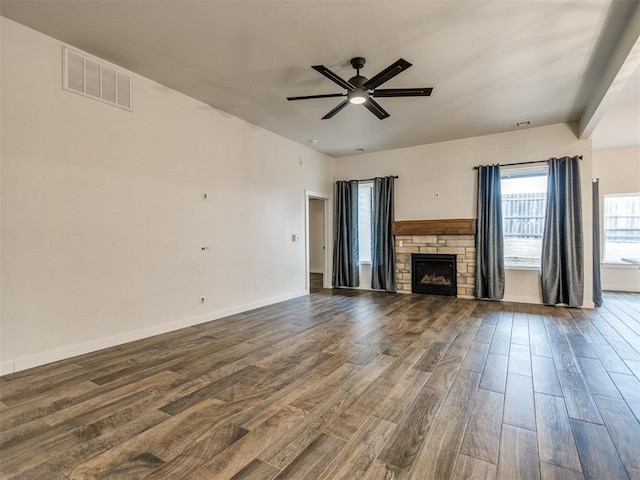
[[96, 79]]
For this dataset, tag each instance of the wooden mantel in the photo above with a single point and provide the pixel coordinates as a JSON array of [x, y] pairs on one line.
[[455, 226]]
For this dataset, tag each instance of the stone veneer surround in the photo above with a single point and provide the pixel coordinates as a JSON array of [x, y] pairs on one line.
[[463, 246]]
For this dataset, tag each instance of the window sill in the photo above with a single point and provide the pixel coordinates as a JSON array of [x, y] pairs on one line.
[[620, 265], [365, 262], [520, 267]]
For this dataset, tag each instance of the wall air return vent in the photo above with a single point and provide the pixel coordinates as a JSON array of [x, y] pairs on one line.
[[96, 79]]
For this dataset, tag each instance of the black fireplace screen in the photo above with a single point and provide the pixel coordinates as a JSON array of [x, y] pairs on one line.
[[433, 273]]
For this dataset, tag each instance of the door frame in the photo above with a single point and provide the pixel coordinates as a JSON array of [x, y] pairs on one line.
[[310, 195]]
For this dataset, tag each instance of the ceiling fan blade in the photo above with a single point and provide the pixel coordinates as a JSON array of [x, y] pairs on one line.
[[387, 74], [327, 95], [343, 104], [403, 92], [375, 108], [333, 77]]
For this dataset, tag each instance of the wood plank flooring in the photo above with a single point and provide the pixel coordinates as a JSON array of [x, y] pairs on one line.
[[343, 385]]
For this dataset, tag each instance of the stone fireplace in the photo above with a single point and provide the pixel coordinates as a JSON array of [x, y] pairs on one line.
[[433, 273], [450, 237]]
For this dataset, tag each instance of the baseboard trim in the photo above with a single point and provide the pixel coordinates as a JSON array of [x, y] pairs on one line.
[[31, 361], [620, 288], [316, 270], [522, 299]]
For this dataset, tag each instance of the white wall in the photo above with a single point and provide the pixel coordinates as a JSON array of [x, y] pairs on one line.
[[316, 236], [447, 168], [619, 172], [103, 218]]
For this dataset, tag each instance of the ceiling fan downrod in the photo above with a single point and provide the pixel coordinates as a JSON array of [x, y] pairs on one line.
[[360, 94]]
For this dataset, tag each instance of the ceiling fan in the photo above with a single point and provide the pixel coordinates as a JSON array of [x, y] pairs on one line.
[[360, 90]]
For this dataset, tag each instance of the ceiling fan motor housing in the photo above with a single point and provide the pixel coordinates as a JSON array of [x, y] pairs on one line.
[[358, 81]]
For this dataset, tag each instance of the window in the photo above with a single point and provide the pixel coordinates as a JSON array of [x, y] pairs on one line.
[[524, 200], [621, 227], [365, 190]]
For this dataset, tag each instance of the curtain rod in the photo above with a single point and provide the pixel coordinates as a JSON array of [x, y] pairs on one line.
[[372, 179], [523, 163]]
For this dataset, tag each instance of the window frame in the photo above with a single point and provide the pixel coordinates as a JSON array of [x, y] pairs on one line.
[[365, 185], [603, 230], [516, 173]]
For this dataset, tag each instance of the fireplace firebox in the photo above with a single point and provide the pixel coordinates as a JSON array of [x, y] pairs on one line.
[[433, 274]]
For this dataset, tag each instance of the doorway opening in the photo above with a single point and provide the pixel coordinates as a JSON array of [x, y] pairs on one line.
[[317, 271]]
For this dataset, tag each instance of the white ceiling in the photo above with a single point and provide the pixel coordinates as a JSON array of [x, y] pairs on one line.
[[491, 63]]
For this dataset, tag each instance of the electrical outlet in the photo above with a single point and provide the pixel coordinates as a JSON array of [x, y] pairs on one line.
[[203, 299]]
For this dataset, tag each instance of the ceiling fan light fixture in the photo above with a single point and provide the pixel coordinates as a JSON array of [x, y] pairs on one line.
[[358, 96]]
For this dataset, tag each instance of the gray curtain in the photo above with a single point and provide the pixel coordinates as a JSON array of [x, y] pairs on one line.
[[383, 265], [562, 268], [346, 262], [597, 280], [489, 240]]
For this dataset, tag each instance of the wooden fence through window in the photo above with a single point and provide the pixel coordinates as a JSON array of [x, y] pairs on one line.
[[523, 214]]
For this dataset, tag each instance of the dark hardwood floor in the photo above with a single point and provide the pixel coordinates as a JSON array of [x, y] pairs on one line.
[[315, 282], [344, 385]]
